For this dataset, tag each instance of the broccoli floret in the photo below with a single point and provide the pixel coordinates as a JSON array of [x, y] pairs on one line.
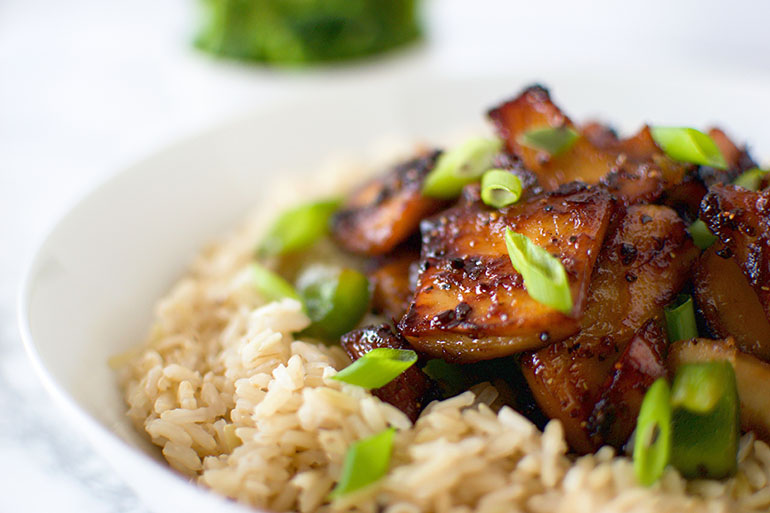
[[296, 32]]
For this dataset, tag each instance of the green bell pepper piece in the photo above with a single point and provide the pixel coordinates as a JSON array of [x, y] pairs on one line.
[[706, 421]]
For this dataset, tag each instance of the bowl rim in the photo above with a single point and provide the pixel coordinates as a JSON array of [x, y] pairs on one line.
[[86, 425]]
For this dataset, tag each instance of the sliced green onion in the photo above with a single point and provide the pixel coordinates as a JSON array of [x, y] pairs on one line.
[[751, 179], [452, 378], [335, 301], [680, 319], [298, 228], [552, 140], [701, 235], [460, 166], [366, 462], [652, 442], [270, 285], [378, 367], [500, 188], [544, 275], [697, 388], [705, 440], [688, 145]]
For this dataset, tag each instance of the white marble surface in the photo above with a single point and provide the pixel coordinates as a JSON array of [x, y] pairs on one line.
[[87, 86]]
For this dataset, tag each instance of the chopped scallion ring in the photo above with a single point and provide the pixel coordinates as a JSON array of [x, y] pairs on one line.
[[335, 301], [366, 462], [680, 319], [544, 275], [652, 442], [452, 378], [552, 140], [460, 166], [701, 235], [751, 179], [298, 228], [500, 188], [270, 285], [688, 145], [377, 368]]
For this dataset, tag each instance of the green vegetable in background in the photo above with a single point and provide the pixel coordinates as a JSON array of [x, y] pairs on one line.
[[296, 32]]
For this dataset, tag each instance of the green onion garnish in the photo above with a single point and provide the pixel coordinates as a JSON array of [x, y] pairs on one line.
[[701, 235], [298, 228], [460, 166], [552, 140], [696, 389], [500, 188], [270, 285], [544, 275], [377, 368], [652, 442], [680, 319], [452, 378], [688, 145], [366, 462], [705, 420], [751, 179], [335, 302]]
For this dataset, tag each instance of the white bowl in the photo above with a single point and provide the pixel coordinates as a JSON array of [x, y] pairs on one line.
[[90, 290]]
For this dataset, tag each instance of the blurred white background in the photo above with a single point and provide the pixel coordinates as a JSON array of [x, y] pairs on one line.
[[87, 86]]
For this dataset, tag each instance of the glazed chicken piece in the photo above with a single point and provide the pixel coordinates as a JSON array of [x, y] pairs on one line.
[[685, 197], [387, 210], [643, 361], [752, 376], [412, 390], [533, 109], [634, 169], [599, 134], [642, 266], [392, 278], [470, 304], [644, 173], [737, 303], [741, 220], [640, 147], [729, 304]]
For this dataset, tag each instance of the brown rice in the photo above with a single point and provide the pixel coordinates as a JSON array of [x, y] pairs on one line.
[[243, 407]]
